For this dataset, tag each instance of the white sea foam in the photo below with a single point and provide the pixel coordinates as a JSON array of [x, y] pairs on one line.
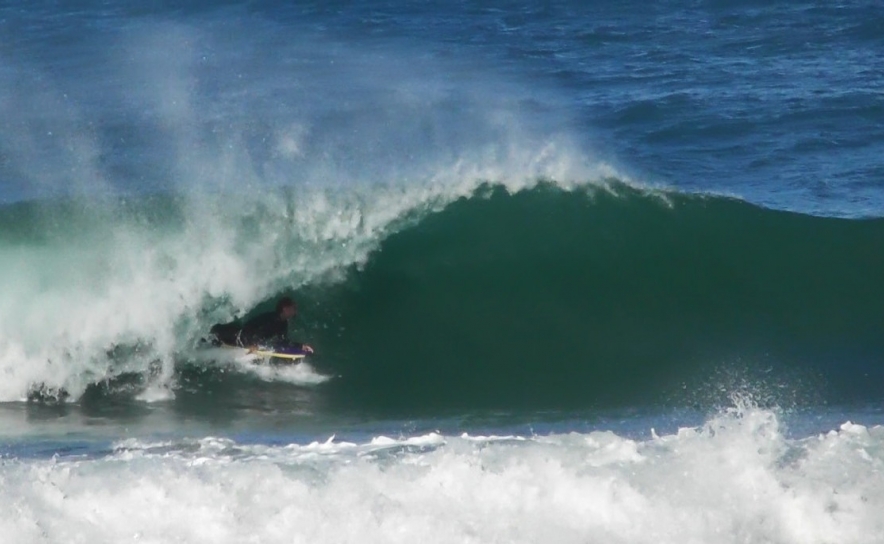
[[300, 373], [734, 479]]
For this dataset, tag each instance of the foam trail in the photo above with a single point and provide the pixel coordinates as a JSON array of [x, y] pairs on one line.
[[735, 479]]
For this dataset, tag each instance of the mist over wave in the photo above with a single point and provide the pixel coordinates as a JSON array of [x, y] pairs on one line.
[[181, 176]]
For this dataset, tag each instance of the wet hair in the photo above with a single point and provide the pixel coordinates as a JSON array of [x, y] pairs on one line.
[[285, 302]]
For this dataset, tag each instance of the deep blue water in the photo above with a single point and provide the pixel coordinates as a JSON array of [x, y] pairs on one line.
[[778, 103]]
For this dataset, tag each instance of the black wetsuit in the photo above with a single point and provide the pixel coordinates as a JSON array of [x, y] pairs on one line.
[[267, 329]]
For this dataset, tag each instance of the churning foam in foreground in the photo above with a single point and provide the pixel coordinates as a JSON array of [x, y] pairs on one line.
[[735, 479]]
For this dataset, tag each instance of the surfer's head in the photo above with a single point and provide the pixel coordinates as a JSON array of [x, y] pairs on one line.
[[286, 308]]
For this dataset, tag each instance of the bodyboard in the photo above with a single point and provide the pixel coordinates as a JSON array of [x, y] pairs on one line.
[[265, 352]]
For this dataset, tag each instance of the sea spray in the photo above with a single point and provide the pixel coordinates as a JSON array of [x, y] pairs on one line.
[[181, 175]]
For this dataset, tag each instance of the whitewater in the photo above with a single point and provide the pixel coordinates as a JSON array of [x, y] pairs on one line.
[[574, 272], [736, 478]]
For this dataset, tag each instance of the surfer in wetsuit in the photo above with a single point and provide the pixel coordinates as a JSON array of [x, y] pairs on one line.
[[267, 329]]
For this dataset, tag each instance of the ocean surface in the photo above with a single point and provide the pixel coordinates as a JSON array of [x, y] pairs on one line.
[[575, 272]]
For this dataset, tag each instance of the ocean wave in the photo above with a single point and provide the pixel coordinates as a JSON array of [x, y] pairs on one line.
[[493, 295], [621, 296], [100, 287]]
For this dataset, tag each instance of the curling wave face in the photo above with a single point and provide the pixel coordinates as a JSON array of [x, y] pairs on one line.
[[102, 287], [487, 295], [602, 297], [165, 174]]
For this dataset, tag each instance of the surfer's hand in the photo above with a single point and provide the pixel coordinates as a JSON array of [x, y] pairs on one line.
[[252, 349], [307, 348]]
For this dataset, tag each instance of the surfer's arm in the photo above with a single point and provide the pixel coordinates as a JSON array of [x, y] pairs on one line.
[[287, 347], [306, 348]]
